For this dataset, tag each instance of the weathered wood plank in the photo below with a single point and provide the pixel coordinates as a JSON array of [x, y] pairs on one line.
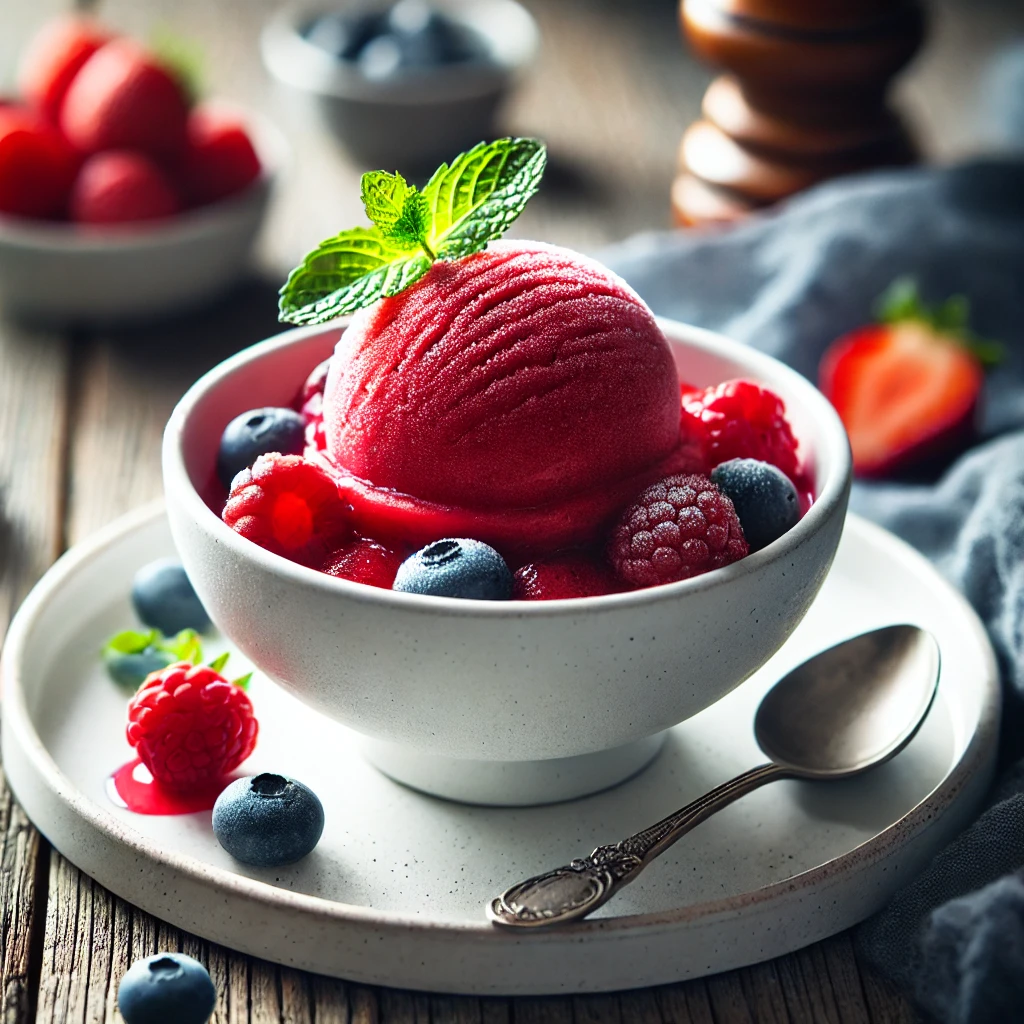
[[34, 369]]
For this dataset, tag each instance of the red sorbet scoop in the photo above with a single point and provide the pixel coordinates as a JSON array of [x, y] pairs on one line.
[[520, 396]]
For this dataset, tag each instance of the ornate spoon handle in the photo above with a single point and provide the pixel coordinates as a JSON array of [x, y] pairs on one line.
[[574, 891]]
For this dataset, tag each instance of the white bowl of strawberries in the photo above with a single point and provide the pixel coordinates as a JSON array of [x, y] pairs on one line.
[[120, 198]]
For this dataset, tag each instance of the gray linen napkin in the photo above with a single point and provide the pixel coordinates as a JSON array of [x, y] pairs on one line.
[[789, 283]]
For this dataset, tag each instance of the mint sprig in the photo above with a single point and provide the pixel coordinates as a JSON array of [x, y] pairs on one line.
[[462, 208], [130, 656], [901, 302]]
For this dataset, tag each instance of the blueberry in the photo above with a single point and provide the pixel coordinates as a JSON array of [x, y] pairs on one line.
[[267, 820], [130, 670], [343, 34], [456, 568], [765, 498], [168, 988], [255, 433], [427, 38], [164, 598], [381, 58]]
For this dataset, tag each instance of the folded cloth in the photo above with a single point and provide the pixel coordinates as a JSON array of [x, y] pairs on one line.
[[789, 283]]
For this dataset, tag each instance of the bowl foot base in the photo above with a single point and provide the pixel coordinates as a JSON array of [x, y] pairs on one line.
[[512, 783]]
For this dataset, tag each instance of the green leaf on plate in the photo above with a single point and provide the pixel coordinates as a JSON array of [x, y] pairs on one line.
[[462, 208], [129, 641], [218, 663], [185, 646]]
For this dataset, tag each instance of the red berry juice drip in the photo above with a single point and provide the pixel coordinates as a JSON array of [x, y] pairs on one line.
[[142, 794]]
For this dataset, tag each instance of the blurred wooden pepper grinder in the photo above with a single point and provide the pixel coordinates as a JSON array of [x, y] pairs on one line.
[[804, 100]]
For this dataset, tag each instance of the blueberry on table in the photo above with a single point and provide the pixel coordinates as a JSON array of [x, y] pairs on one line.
[[255, 433], [268, 820], [764, 498], [456, 567], [168, 988], [164, 598]]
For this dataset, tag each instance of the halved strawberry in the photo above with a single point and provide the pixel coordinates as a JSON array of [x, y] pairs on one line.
[[907, 389]]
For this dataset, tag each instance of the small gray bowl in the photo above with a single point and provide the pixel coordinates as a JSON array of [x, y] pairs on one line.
[[419, 118]]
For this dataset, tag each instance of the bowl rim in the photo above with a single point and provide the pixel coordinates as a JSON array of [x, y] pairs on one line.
[[831, 498], [293, 60], [195, 223]]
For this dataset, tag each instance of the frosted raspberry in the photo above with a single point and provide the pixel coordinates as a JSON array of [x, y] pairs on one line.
[[190, 726], [559, 577], [290, 506], [740, 420], [364, 561], [679, 527]]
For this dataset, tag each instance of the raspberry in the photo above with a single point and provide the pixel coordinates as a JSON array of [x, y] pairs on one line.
[[290, 506], [190, 726], [364, 561], [678, 528], [310, 402], [560, 577], [740, 420]]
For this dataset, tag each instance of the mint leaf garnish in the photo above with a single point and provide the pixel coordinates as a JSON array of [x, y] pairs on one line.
[[129, 641], [397, 209], [185, 646], [461, 209], [481, 194]]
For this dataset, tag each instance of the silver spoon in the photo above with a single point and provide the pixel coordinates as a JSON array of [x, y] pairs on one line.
[[844, 711]]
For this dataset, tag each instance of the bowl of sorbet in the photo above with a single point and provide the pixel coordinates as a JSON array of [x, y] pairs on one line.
[[521, 396]]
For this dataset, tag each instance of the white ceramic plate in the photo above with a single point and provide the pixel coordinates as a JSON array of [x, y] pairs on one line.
[[394, 894]]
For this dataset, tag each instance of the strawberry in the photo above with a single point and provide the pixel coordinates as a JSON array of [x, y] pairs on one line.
[[123, 99], [219, 158], [364, 561], [54, 57], [907, 389], [120, 186], [567, 575], [36, 165]]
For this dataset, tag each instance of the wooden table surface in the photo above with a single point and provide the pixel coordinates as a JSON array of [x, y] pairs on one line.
[[81, 413]]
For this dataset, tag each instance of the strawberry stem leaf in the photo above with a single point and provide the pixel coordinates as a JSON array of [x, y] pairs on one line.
[[901, 302], [242, 682]]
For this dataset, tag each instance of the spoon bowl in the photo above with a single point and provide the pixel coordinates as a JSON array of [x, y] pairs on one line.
[[852, 706]]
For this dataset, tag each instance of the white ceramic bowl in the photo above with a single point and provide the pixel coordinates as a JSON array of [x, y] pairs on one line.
[[500, 702], [68, 274], [418, 119]]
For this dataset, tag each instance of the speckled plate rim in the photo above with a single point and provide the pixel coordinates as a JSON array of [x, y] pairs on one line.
[[48, 795]]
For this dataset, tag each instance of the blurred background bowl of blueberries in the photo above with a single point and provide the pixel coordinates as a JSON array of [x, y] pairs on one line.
[[403, 84]]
